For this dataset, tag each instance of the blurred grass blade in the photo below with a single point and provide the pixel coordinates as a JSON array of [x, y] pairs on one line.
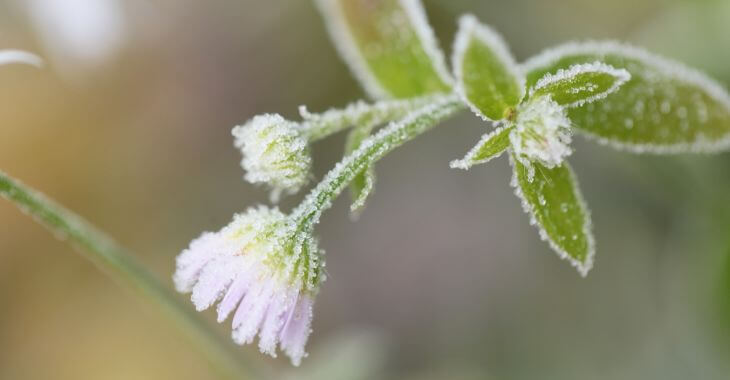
[[664, 108], [121, 265], [486, 73], [388, 45], [19, 56], [581, 84], [556, 207]]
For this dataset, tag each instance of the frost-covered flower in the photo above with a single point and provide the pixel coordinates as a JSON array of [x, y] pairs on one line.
[[256, 267], [275, 152], [542, 132]]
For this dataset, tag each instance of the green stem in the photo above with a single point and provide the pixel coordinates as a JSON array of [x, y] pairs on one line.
[[371, 150], [319, 126], [121, 265]]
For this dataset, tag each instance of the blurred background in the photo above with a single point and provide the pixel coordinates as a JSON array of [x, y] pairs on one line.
[[441, 278]]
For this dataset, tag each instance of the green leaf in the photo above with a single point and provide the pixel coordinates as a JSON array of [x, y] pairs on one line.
[[490, 146], [487, 76], [664, 108], [388, 45], [556, 206], [363, 183], [581, 84]]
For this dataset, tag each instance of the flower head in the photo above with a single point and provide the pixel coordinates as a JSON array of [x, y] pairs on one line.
[[255, 267], [542, 132], [275, 152]]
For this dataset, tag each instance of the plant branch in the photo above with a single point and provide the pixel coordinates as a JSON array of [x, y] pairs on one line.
[[322, 125], [371, 150]]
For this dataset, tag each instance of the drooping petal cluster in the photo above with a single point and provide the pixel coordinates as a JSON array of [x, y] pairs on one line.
[[253, 270], [542, 132], [275, 152]]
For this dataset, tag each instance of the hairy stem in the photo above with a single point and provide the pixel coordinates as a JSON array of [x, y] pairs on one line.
[[371, 150], [121, 265], [319, 126]]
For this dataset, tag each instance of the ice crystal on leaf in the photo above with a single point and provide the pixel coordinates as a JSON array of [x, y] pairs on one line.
[[491, 145], [581, 84], [535, 128], [666, 107], [257, 269]]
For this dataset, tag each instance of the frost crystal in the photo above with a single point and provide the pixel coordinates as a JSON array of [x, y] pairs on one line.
[[542, 133], [486, 149], [255, 267], [275, 152], [589, 90], [666, 108]]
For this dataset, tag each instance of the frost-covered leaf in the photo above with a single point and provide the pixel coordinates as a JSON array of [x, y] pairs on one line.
[[664, 108], [363, 183], [388, 45], [581, 84], [553, 200], [487, 76], [490, 146]]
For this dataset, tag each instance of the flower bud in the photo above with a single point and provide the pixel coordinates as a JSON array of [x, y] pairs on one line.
[[275, 152]]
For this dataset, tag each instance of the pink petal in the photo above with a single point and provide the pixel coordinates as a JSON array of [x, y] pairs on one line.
[[251, 311], [235, 293], [295, 333], [192, 260], [281, 306]]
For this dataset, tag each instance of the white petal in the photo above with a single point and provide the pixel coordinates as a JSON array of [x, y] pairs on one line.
[[214, 281], [192, 260], [235, 293], [250, 313]]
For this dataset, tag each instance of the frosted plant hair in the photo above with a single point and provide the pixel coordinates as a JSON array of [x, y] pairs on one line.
[[622, 76]]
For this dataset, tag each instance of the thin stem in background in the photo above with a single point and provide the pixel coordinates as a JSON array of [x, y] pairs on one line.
[[117, 262]]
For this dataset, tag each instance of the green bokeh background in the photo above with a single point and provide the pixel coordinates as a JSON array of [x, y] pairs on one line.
[[441, 278]]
